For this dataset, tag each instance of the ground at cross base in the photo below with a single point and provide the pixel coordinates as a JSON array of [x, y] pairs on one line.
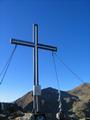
[[75, 104], [28, 116], [49, 116]]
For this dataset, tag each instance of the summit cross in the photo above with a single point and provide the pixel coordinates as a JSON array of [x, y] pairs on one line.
[[36, 46]]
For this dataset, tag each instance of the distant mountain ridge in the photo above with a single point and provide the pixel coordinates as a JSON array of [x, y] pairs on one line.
[[74, 102], [82, 91]]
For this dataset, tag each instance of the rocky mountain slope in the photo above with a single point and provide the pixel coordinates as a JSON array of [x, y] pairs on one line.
[[75, 103], [81, 107]]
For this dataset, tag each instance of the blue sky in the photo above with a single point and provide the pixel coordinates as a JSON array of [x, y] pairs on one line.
[[62, 23]]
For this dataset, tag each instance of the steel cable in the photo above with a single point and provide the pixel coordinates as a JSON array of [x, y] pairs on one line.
[[5, 68]]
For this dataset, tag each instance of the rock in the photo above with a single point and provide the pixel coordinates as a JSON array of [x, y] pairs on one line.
[[26, 116], [3, 117]]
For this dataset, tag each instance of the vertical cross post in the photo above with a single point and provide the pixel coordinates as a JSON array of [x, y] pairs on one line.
[[35, 40], [35, 68]]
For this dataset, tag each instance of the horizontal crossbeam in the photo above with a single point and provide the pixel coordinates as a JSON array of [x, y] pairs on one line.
[[47, 47], [31, 44], [22, 42]]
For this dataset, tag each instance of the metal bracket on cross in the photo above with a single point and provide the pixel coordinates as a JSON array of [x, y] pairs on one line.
[[36, 90]]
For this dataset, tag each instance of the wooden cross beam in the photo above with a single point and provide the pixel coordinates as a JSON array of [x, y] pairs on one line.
[[36, 46]]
